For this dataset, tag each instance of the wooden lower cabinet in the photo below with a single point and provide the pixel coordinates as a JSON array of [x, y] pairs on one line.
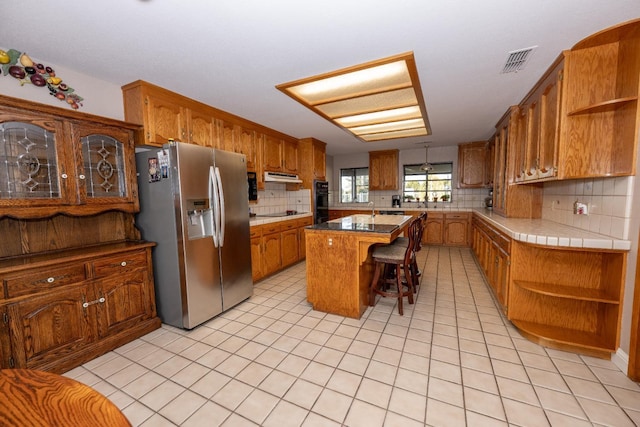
[[433, 229], [277, 245], [492, 249], [559, 297], [54, 320], [450, 228]]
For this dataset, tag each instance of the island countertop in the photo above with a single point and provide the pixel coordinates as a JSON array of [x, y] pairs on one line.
[[365, 223]]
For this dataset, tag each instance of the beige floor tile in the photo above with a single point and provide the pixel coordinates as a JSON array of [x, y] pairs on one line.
[[257, 406], [303, 393], [137, 413], [444, 414], [232, 394], [412, 381], [523, 414], [277, 383], [285, 414], [210, 384], [484, 403], [547, 379], [374, 392], [382, 372], [514, 371], [344, 382], [562, 403], [315, 420], [332, 405], [562, 420], [254, 374], [317, 373], [445, 371], [236, 420], [182, 407], [589, 389], [478, 420], [354, 364], [605, 414], [516, 390], [362, 414], [157, 398], [142, 385], [446, 391]]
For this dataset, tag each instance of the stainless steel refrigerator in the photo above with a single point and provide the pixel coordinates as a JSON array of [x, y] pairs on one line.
[[194, 205]]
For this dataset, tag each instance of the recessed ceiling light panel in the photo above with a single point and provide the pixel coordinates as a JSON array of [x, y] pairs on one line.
[[375, 101]]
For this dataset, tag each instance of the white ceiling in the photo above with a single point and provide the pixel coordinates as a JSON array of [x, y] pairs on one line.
[[232, 53]]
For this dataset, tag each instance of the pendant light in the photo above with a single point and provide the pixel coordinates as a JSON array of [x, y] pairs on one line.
[[426, 166]]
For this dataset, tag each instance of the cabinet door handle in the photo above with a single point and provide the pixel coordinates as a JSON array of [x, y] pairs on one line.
[[82, 176], [64, 176], [123, 263]]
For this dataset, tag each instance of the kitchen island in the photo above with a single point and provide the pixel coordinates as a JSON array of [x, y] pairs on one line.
[[339, 260]]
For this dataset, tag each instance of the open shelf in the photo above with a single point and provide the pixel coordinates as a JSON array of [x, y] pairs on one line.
[[566, 338], [571, 292], [600, 107]]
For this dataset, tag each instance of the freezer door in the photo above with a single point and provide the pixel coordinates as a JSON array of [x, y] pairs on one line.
[[201, 286], [234, 240]]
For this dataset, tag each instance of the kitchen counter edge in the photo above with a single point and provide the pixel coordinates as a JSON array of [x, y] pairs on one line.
[[549, 233], [268, 220]]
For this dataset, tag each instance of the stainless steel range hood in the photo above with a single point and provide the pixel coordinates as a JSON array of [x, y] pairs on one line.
[[286, 178]]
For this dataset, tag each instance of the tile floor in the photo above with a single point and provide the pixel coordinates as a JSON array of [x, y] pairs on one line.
[[451, 360]]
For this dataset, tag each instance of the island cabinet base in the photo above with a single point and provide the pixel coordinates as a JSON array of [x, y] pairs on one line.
[[567, 298], [337, 280]]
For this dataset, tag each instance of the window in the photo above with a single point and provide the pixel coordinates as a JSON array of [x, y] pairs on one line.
[[354, 185], [436, 184]]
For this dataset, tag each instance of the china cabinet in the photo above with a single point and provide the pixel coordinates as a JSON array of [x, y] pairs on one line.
[[54, 162]]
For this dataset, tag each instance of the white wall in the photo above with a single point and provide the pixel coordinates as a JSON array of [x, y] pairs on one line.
[[100, 97]]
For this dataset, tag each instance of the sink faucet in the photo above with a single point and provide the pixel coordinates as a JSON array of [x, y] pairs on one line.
[[373, 209]]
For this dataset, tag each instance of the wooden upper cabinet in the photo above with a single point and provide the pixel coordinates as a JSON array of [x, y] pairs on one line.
[[518, 201], [599, 133], [166, 115], [539, 126], [245, 143], [383, 170], [54, 161], [312, 156], [472, 165], [290, 156], [272, 153], [202, 128]]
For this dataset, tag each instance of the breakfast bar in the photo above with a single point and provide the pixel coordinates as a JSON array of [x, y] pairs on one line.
[[339, 261]]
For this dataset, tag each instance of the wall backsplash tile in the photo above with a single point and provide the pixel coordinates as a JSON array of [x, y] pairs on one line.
[[275, 199], [608, 200], [466, 198]]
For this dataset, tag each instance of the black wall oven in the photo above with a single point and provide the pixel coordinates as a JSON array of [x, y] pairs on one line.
[[320, 201]]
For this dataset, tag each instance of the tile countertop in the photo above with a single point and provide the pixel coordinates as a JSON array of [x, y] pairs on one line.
[[259, 220], [406, 208], [550, 233]]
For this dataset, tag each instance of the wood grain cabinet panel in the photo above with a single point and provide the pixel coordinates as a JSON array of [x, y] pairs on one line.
[[383, 170], [472, 165]]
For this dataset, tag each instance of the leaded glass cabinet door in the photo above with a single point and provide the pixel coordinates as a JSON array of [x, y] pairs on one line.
[[106, 176], [32, 164]]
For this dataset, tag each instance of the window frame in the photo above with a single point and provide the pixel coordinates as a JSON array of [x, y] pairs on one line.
[[356, 188], [425, 189]]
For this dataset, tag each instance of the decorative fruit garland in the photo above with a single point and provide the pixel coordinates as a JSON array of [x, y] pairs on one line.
[[23, 68]]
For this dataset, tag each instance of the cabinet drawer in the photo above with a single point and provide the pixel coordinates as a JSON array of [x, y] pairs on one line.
[[119, 264], [288, 225], [255, 231], [270, 228], [39, 280], [304, 222], [457, 216]]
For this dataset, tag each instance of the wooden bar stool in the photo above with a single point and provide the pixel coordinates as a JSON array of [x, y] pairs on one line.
[[417, 245], [393, 267]]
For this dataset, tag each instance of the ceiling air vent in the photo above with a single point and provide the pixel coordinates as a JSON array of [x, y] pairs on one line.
[[517, 59]]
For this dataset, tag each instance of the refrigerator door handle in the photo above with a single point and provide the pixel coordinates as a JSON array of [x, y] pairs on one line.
[[215, 205], [221, 224]]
